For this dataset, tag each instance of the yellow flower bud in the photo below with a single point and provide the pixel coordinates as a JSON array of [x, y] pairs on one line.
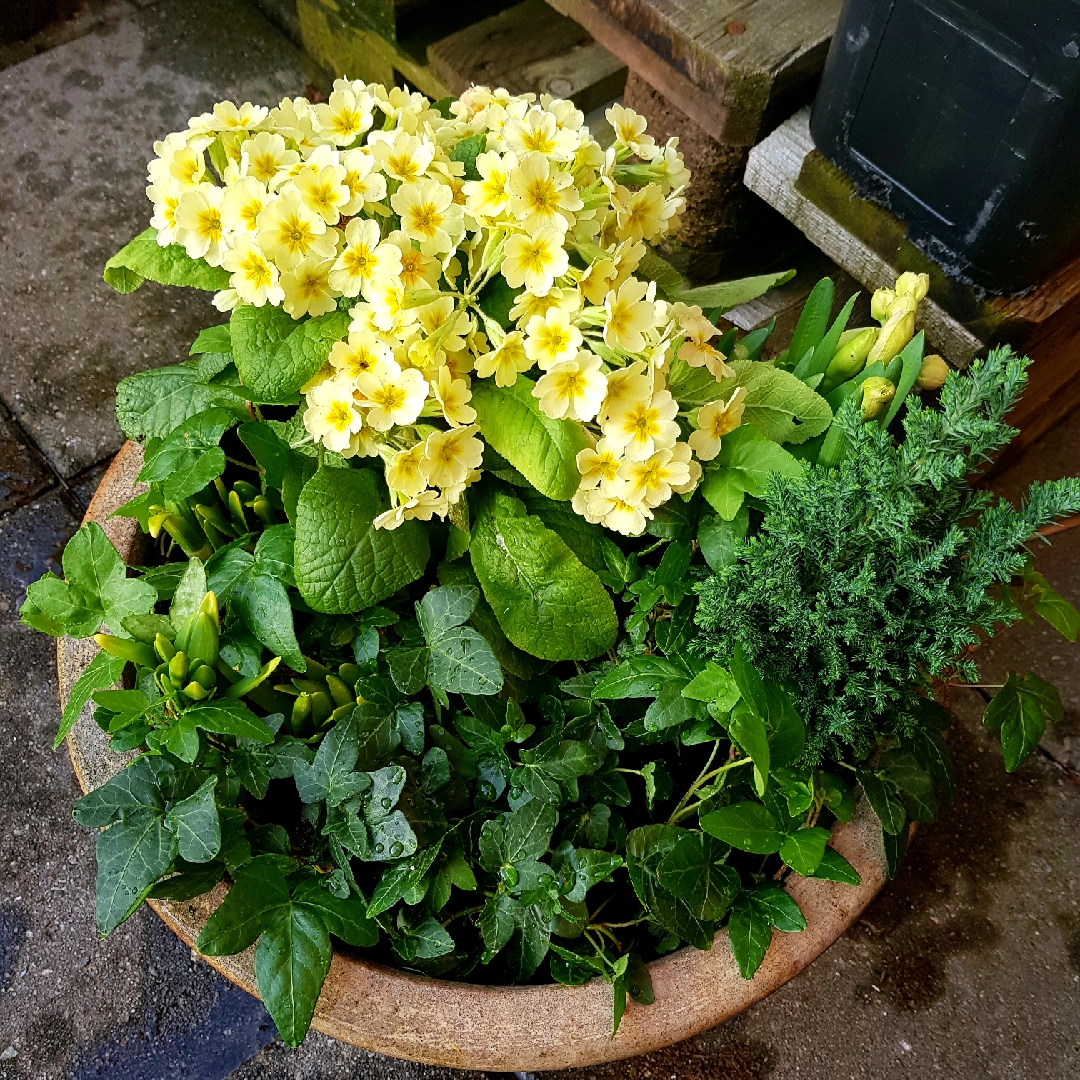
[[895, 334], [879, 304], [851, 352], [932, 373], [877, 393], [916, 285]]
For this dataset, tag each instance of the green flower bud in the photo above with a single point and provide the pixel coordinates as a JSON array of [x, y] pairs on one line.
[[339, 691], [341, 712], [263, 510], [205, 676], [191, 543], [245, 686], [164, 647], [236, 512], [932, 373], [300, 715], [203, 642], [876, 395], [321, 707], [879, 304], [209, 606], [126, 649], [349, 674], [178, 669], [894, 335], [246, 491], [195, 691], [850, 355], [309, 686]]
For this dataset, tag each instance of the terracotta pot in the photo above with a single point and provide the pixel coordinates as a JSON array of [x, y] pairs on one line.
[[498, 1028]]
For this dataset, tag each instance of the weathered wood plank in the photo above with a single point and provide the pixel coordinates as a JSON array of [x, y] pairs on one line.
[[529, 48]]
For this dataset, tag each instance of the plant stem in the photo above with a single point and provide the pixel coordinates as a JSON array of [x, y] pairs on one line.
[[697, 783], [682, 810], [242, 464]]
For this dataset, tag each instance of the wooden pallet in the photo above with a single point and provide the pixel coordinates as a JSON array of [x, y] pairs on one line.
[[871, 245]]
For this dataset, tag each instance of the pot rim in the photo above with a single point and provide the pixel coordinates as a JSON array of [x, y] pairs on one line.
[[497, 1028]]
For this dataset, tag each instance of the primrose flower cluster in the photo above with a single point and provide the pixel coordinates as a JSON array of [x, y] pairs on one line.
[[414, 211]]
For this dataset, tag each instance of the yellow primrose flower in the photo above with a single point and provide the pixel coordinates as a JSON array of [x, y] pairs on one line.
[[266, 158], [401, 155], [639, 215], [449, 456], [714, 421], [360, 353], [681, 452], [598, 280], [535, 260], [505, 362], [365, 183], [598, 466], [423, 507], [403, 473], [307, 288], [331, 417], [391, 396], [387, 300], [165, 195], [629, 315], [613, 509], [527, 305], [651, 481], [696, 350], [364, 258], [624, 387], [540, 195], [429, 215], [669, 168], [643, 427], [227, 117], [490, 195], [199, 224], [539, 131], [629, 128], [254, 277], [434, 316], [453, 396], [551, 338], [243, 202], [323, 190], [289, 231], [573, 389], [344, 116], [187, 167]]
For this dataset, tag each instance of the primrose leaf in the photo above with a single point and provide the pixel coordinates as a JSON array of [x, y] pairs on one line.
[[151, 404], [1020, 711], [343, 563], [143, 258], [543, 450], [729, 294], [189, 457], [256, 334]]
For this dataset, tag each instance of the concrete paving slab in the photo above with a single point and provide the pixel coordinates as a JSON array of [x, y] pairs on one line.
[[23, 473], [78, 128]]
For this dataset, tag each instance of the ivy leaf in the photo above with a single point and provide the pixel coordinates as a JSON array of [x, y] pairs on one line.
[[195, 822], [724, 491], [131, 856], [546, 601], [721, 538], [257, 891], [228, 718], [143, 258], [498, 921], [884, 800], [714, 684], [804, 849], [189, 457], [291, 963], [346, 918], [95, 589], [748, 731], [750, 933], [330, 777], [343, 563], [746, 825], [104, 670], [690, 871], [1053, 607], [902, 769], [459, 660], [130, 791], [543, 450], [834, 867], [637, 676], [1020, 711]]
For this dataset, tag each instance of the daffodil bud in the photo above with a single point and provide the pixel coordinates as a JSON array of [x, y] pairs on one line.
[[209, 606], [321, 707], [879, 304], [932, 373], [203, 643], [205, 676], [301, 714], [126, 649], [895, 334], [877, 393], [914, 285], [178, 669], [164, 647], [263, 510], [341, 694], [195, 691], [851, 353], [349, 673]]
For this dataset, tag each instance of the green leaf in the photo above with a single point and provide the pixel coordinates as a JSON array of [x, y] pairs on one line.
[[753, 459], [131, 856], [212, 339], [330, 777], [195, 821], [637, 676], [228, 718], [189, 457], [104, 670], [1054, 608], [497, 922], [750, 933], [528, 831], [746, 825], [467, 151], [543, 450], [130, 791], [780, 908], [268, 449], [721, 539], [690, 870], [256, 334], [723, 490], [297, 359], [345, 918], [903, 771], [433, 939], [782, 407], [911, 359], [262, 602], [584, 540], [813, 320], [257, 891], [96, 590], [834, 867], [150, 404], [142, 258], [815, 363], [1020, 711], [748, 731], [803, 849], [529, 945], [714, 683], [190, 590], [546, 601], [343, 563], [729, 294], [884, 800], [291, 962], [459, 660]]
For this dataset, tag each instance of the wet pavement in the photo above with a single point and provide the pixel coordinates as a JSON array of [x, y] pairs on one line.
[[968, 964]]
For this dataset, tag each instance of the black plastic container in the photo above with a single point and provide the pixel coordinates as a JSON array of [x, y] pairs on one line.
[[963, 119]]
